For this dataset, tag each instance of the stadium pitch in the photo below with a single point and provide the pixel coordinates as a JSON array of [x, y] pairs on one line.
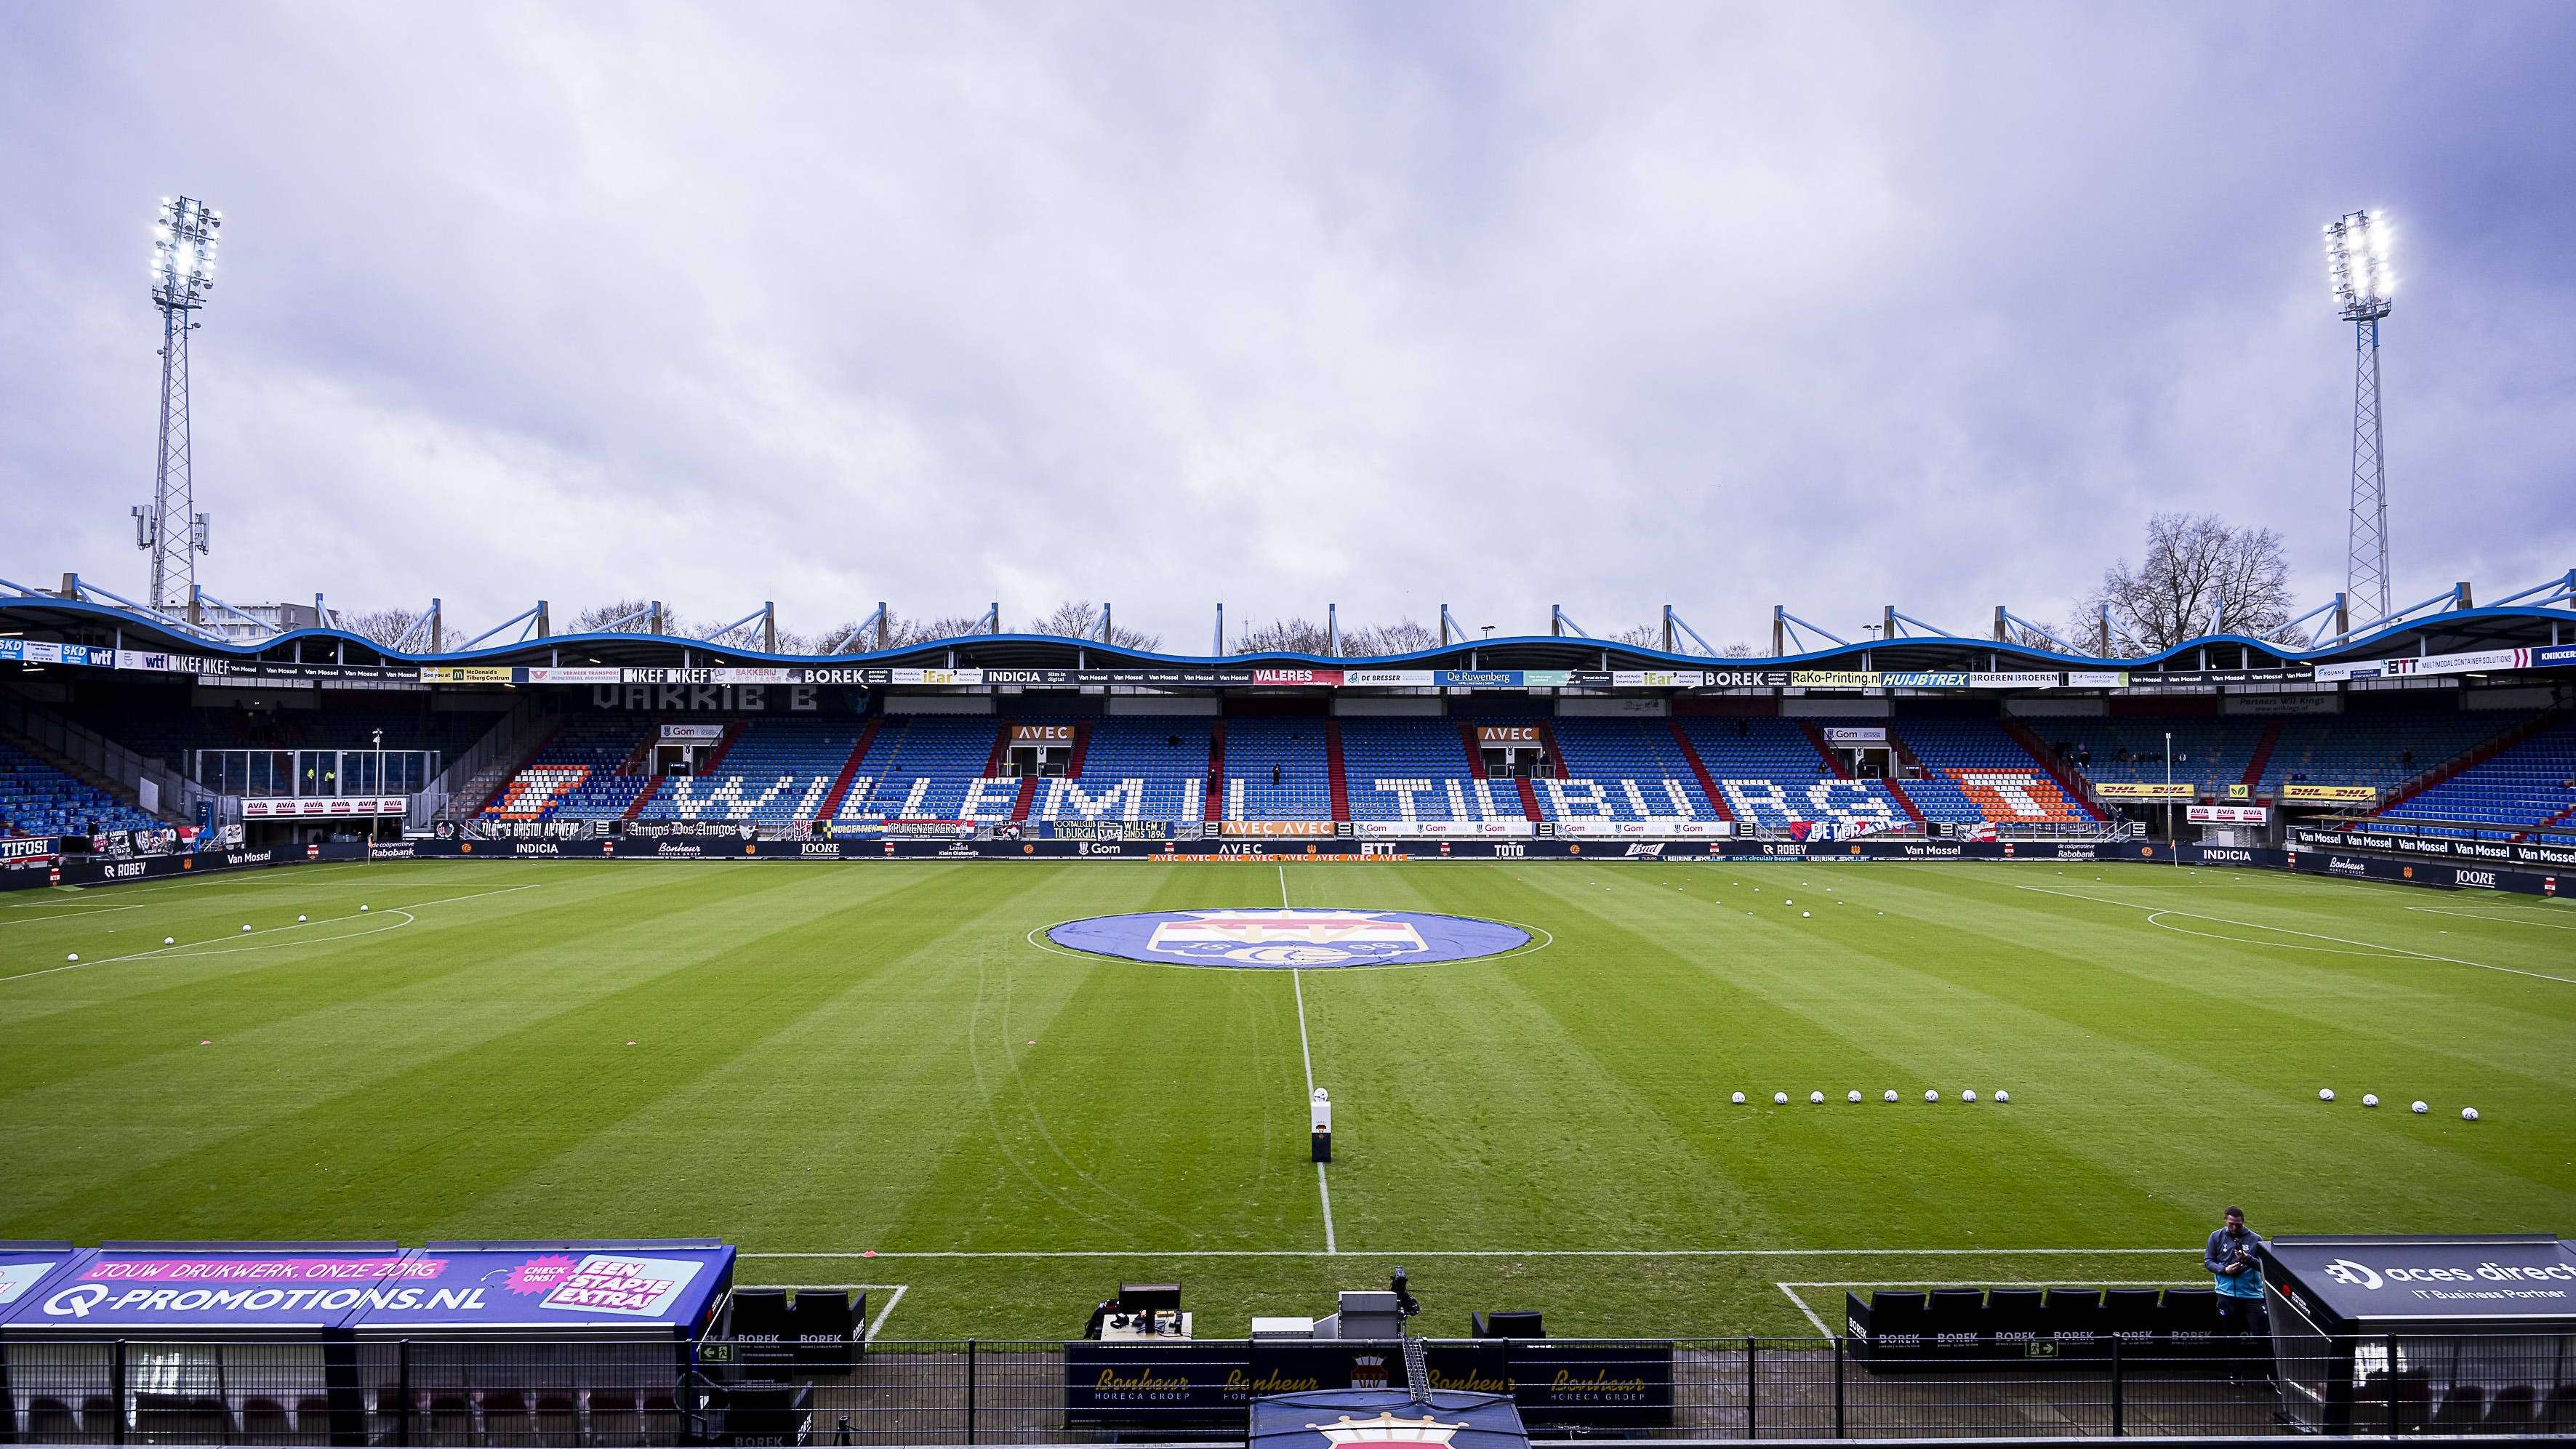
[[883, 1073]]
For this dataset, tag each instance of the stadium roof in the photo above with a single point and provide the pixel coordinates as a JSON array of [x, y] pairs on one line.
[[2443, 631]]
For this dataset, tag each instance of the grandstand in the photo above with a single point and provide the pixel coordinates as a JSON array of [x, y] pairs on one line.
[[2524, 789], [37, 798]]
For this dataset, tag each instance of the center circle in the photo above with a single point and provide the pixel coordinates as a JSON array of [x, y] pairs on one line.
[[1288, 936]]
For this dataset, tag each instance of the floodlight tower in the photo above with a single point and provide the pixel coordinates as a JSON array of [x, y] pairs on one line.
[[2357, 263], [183, 271]]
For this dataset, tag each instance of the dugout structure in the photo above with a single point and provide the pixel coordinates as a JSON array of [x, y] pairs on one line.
[[2447, 1335], [322, 1342]]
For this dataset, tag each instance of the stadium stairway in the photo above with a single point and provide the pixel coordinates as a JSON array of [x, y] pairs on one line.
[[2470, 759], [1832, 762], [1294, 746], [2252, 780], [2545, 827], [1410, 768], [39, 797], [1772, 774], [1213, 797], [2065, 775], [1699, 768], [2517, 792], [850, 768], [1334, 771], [581, 771], [2381, 747], [1896, 789], [1621, 769], [118, 794], [1974, 770]]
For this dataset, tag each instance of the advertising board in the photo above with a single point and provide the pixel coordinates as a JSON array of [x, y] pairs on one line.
[[2144, 790], [323, 807], [2227, 814], [2330, 794]]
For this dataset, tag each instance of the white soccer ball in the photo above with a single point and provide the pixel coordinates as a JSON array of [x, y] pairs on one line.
[[1779, 1099], [2370, 1099], [169, 940], [1784, 900], [1815, 1097], [1806, 915], [2421, 1109], [2003, 1096], [2468, 1114], [1931, 1096], [1891, 1094], [299, 920], [245, 925], [362, 908], [1738, 1099], [1969, 1095], [1854, 1097], [73, 956], [2327, 1095]]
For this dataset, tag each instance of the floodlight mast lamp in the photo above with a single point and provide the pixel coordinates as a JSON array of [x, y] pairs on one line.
[[2364, 285], [183, 270]]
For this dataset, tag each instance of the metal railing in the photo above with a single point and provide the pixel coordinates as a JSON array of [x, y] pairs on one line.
[[504, 745], [654, 1392]]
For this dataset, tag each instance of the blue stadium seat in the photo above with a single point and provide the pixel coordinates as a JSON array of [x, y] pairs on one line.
[[37, 799]]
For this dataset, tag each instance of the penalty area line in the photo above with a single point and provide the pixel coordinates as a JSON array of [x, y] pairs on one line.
[[2374, 946]]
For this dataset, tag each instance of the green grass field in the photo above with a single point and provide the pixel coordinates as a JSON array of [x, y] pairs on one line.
[[828, 1059]]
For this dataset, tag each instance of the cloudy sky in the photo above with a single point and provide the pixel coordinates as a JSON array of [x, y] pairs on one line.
[[1380, 304]]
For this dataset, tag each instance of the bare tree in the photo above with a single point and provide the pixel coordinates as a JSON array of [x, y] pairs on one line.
[[2198, 570], [902, 632], [1739, 650], [1285, 636], [385, 626], [635, 615], [1080, 619], [1404, 636], [1642, 636]]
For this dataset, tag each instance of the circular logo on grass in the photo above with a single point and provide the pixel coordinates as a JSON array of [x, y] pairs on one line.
[[1288, 937]]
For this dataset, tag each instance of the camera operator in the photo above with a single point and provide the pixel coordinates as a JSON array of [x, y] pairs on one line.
[[2230, 1260]]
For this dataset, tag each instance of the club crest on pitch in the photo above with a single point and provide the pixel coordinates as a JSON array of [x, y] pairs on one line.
[[1288, 937], [1276, 936]]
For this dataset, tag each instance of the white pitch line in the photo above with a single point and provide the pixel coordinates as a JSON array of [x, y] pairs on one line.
[[1498, 1253], [2510, 918], [877, 1324], [186, 949], [1296, 983], [67, 915], [2311, 935]]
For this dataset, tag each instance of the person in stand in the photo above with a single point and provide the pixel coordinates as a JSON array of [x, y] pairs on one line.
[[2230, 1260]]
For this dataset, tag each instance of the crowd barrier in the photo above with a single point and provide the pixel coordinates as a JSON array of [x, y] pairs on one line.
[[500, 1392], [91, 870], [2346, 864], [736, 847]]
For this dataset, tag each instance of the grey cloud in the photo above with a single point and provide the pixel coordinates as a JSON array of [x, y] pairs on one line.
[[1506, 306]]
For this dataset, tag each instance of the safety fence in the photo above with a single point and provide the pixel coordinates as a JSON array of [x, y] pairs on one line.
[[638, 1393]]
